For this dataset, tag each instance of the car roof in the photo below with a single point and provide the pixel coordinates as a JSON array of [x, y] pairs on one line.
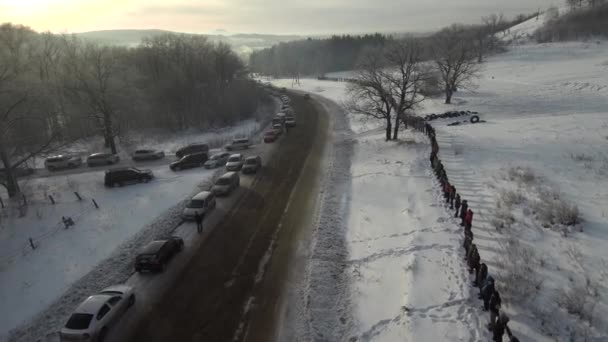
[[99, 154], [201, 195], [153, 247], [252, 158], [144, 150], [236, 155], [117, 288], [228, 174], [92, 304]]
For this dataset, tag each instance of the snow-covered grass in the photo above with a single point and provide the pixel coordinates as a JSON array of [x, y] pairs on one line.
[[534, 174]]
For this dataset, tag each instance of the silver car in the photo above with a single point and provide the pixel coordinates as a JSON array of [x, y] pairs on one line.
[[140, 155], [97, 159], [93, 318], [235, 162], [62, 161], [217, 160]]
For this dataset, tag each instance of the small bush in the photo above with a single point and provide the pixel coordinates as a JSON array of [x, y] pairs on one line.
[[518, 267], [553, 210], [510, 198], [580, 299], [523, 175], [581, 157]]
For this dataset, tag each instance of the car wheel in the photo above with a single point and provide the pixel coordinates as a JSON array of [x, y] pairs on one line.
[[146, 179], [131, 301], [102, 334], [176, 168]]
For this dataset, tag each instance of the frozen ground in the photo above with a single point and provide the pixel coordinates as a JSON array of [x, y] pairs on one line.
[[543, 146]]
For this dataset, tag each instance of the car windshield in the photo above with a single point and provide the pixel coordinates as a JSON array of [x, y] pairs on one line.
[[56, 159], [234, 159], [223, 181], [79, 321], [196, 204], [142, 151], [251, 161], [215, 157]]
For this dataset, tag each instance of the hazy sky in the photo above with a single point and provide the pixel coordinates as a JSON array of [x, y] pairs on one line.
[[261, 16]]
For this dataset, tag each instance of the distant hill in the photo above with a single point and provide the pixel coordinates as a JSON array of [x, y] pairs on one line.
[[243, 43]]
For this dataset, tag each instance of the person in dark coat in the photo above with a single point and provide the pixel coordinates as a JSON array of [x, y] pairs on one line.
[[452, 196], [481, 275], [486, 293], [472, 256], [468, 219], [468, 241], [495, 303], [463, 211], [457, 204], [199, 222], [500, 327], [446, 191], [475, 262]]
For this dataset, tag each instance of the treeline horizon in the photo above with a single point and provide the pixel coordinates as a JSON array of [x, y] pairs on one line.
[[317, 56]]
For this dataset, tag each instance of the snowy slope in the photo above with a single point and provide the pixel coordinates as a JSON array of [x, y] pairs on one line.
[[546, 108]]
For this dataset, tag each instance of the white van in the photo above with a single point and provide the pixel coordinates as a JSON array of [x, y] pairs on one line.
[[203, 203]]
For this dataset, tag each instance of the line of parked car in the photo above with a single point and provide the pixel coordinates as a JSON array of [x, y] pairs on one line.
[[98, 313]]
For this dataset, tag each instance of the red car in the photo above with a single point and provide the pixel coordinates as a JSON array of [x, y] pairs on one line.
[[271, 136]]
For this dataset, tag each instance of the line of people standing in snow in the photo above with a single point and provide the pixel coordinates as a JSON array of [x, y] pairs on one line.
[[482, 278]]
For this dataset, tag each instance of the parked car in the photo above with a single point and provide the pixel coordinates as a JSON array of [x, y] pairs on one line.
[[226, 183], [307, 96], [155, 256], [97, 159], [278, 121], [290, 121], [235, 162], [131, 175], [217, 160], [252, 164], [203, 202], [238, 144], [62, 161], [191, 149], [140, 155], [271, 136], [189, 161], [278, 128], [93, 318]]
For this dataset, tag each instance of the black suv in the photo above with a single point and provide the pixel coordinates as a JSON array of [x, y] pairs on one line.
[[189, 161], [157, 254], [191, 149], [120, 177]]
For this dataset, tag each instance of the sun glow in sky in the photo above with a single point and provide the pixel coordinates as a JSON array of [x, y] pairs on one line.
[[262, 16]]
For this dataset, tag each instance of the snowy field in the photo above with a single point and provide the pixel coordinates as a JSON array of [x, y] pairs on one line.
[[541, 151], [32, 279]]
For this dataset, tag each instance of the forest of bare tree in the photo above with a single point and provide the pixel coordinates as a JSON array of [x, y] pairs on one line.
[[55, 89]]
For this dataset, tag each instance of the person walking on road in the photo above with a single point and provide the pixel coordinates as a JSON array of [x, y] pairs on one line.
[[457, 204], [199, 222], [452, 196], [481, 275]]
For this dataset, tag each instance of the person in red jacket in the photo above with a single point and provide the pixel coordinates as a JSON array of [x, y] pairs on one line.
[[468, 219]]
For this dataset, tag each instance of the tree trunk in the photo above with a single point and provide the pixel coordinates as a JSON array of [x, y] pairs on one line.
[[10, 180], [388, 129], [396, 128], [108, 134], [448, 95]]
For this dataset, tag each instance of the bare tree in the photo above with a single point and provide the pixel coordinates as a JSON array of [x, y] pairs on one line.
[[368, 96], [406, 77], [95, 77], [455, 59], [24, 130], [388, 85]]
